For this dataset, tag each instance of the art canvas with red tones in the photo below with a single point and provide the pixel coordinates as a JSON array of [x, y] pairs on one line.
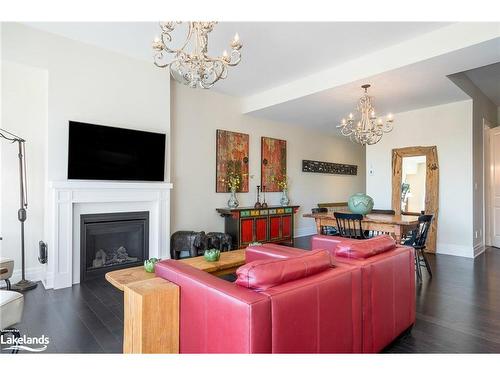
[[232, 157], [273, 163]]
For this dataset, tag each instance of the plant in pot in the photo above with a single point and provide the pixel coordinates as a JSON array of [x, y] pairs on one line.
[[233, 182], [282, 182]]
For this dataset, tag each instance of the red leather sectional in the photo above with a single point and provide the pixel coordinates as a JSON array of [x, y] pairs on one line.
[[288, 300], [388, 284]]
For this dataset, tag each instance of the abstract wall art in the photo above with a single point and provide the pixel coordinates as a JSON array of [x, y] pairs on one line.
[[273, 162], [232, 159], [329, 168]]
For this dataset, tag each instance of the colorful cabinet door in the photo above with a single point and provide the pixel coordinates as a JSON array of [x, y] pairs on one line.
[[261, 229], [286, 226], [274, 228], [246, 231]]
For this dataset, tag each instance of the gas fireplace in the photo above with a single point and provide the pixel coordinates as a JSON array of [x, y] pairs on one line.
[[112, 241]]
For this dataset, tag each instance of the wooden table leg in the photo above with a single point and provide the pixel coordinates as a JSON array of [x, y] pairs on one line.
[[397, 234], [151, 314], [318, 226]]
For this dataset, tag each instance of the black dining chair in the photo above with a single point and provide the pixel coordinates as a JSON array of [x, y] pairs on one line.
[[417, 241], [349, 225]]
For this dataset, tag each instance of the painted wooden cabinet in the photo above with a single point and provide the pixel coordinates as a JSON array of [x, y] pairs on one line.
[[248, 224]]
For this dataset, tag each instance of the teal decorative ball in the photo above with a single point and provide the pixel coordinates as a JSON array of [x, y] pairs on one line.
[[360, 203]]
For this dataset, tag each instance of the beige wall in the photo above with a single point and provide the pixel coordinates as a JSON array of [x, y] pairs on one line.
[[52, 80], [449, 127], [483, 108], [196, 114], [23, 87], [89, 84]]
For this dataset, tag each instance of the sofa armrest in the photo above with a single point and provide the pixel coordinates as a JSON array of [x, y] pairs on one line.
[[217, 316]]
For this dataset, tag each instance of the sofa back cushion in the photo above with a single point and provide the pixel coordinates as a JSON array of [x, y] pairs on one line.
[[362, 249], [261, 275]]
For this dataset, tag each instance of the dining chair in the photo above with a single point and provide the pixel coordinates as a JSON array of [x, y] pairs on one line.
[[349, 225], [417, 241]]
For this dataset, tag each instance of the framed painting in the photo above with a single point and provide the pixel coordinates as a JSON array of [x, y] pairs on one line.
[[232, 159], [273, 162]]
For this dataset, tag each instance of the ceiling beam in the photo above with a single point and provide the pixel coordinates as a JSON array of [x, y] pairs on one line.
[[439, 42]]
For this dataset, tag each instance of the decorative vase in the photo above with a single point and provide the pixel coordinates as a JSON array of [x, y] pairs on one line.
[[360, 203], [284, 201], [233, 201], [212, 255], [149, 264]]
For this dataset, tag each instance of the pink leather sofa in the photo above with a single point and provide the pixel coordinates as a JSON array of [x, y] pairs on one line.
[[299, 304], [345, 296], [388, 284]]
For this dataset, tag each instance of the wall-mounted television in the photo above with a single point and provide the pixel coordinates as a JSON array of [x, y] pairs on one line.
[[98, 152]]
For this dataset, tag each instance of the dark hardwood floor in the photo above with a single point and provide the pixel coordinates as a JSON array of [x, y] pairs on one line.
[[458, 311]]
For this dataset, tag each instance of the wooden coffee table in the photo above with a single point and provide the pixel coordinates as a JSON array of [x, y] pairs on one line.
[[151, 304]]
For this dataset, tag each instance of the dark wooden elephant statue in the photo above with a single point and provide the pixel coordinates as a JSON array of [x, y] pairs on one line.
[[195, 243], [219, 240]]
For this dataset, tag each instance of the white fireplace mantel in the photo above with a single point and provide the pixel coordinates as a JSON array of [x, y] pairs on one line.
[[69, 199]]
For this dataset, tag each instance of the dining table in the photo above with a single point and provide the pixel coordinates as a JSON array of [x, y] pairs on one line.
[[395, 225]]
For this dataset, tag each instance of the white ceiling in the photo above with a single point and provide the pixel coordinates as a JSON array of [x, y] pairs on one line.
[[281, 73], [487, 78], [273, 52], [414, 86]]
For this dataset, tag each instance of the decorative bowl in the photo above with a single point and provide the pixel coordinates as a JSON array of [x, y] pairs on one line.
[[360, 203], [212, 255], [149, 264]]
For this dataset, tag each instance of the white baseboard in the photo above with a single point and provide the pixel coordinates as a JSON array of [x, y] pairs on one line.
[[479, 249], [456, 250], [305, 231], [32, 273]]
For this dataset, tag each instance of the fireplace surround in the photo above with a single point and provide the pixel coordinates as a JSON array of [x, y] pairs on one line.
[[110, 241], [68, 200]]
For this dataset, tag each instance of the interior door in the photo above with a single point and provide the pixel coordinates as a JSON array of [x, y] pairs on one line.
[[495, 186]]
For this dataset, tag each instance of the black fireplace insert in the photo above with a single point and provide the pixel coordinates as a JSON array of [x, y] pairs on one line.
[[112, 241]]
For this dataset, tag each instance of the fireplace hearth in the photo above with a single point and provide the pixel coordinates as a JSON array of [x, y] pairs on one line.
[[112, 241]]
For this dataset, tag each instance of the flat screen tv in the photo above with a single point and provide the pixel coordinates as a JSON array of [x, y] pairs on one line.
[[99, 152]]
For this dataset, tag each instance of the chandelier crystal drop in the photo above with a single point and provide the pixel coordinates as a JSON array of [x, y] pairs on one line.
[[190, 64], [368, 128]]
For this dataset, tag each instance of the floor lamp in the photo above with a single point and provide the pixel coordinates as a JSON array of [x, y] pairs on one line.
[[21, 213]]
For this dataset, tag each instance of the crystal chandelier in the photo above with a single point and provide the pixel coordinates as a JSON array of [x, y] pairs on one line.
[[368, 129], [194, 68]]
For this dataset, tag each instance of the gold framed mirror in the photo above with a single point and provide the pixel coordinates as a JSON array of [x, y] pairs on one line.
[[415, 185]]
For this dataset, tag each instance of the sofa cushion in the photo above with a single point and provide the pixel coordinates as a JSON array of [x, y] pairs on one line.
[[362, 249], [264, 274]]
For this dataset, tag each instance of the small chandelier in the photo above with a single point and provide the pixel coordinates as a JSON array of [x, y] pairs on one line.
[[194, 68], [368, 129]]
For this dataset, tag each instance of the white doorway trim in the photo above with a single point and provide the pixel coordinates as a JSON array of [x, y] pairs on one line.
[[488, 181]]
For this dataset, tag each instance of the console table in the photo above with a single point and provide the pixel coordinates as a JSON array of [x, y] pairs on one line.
[[248, 224], [151, 304]]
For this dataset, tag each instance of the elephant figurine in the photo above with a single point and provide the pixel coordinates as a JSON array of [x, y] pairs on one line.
[[193, 242], [220, 241]]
